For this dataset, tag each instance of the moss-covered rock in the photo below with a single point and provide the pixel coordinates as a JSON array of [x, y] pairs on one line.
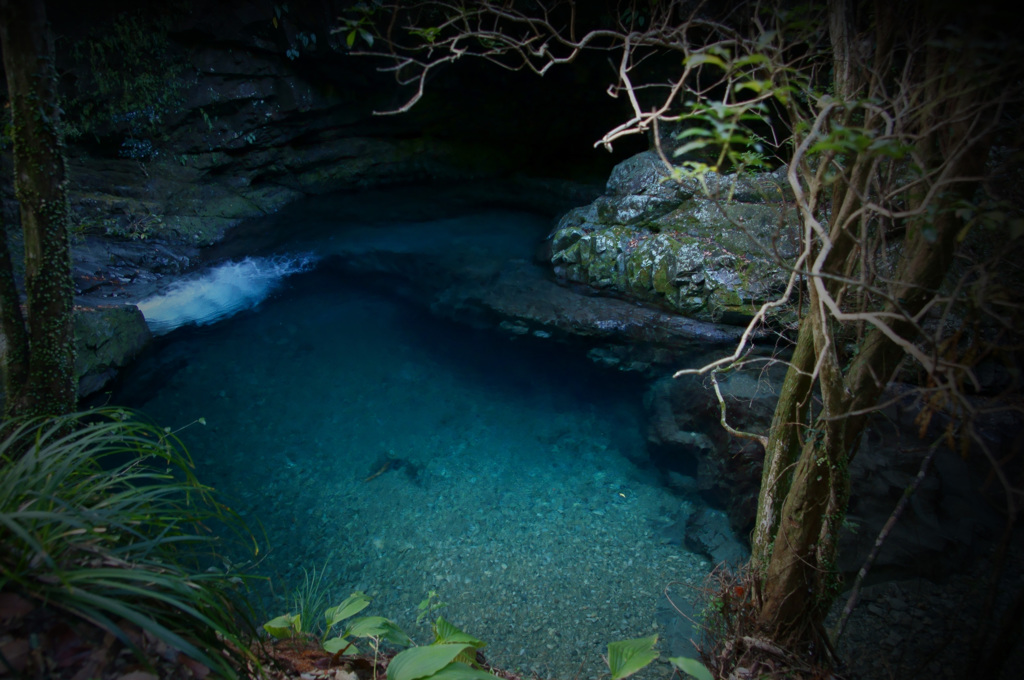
[[713, 251], [106, 339]]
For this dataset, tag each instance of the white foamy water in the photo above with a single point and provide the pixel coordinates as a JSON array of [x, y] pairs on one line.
[[220, 292]]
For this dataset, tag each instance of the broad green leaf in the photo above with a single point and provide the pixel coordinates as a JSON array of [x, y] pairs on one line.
[[448, 633], [751, 59], [827, 145], [367, 36], [282, 627], [629, 656], [691, 667], [765, 37], [353, 604], [460, 671], [350, 39], [758, 86], [335, 645], [420, 662], [378, 626], [705, 58]]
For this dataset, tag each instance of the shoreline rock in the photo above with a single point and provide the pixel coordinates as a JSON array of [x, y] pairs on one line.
[[661, 240]]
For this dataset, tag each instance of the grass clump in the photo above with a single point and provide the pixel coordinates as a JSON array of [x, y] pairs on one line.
[[102, 519], [310, 599]]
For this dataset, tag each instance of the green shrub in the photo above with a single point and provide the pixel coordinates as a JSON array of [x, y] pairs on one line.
[[102, 518]]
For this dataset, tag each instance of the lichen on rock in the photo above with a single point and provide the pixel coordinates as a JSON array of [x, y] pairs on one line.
[[107, 339], [711, 250]]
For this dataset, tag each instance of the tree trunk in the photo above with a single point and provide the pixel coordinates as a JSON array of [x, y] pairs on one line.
[[790, 421], [12, 323], [805, 484], [47, 387]]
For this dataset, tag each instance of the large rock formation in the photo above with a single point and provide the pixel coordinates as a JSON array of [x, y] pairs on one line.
[[664, 241], [107, 339]]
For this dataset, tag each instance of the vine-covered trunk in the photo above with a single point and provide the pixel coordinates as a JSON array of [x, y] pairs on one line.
[[825, 401], [43, 381], [805, 487], [803, 508]]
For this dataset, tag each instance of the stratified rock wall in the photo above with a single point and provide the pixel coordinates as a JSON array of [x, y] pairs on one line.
[[184, 118]]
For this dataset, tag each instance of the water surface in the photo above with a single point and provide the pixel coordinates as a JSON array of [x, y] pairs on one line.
[[403, 453]]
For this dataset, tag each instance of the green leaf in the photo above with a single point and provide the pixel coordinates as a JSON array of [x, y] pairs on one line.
[[380, 627], [460, 671], [693, 132], [692, 146], [751, 59], [350, 39], [691, 667], [827, 145], [429, 34], [282, 627], [448, 633], [420, 662], [367, 36], [353, 604], [629, 656], [765, 37], [335, 645], [704, 58], [758, 86]]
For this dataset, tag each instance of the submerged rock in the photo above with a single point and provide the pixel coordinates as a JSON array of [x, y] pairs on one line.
[[684, 432], [663, 241], [708, 533]]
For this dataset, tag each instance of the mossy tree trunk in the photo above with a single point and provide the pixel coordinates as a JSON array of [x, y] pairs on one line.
[[826, 399], [39, 363]]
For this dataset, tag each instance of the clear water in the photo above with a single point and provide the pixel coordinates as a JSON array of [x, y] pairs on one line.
[[403, 453]]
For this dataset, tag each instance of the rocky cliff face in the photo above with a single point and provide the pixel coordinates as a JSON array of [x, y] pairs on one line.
[[186, 118]]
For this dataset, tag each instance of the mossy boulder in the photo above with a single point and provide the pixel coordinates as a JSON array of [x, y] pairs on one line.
[[712, 251], [106, 339]]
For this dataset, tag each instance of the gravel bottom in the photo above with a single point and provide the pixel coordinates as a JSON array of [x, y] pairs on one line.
[[515, 482]]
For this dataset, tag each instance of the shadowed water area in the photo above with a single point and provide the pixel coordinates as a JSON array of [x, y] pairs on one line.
[[403, 453]]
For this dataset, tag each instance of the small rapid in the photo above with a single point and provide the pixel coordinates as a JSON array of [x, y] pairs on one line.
[[220, 292]]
